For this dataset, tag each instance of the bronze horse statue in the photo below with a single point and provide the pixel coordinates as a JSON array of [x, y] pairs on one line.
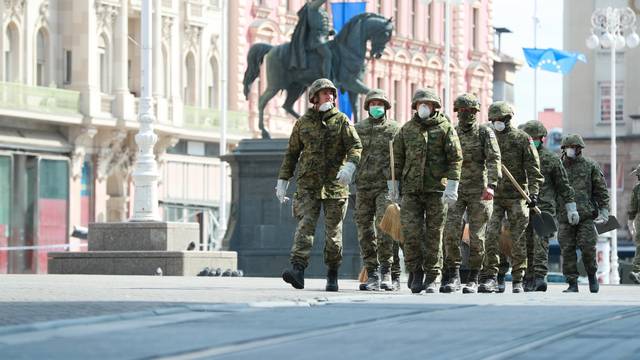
[[349, 50]]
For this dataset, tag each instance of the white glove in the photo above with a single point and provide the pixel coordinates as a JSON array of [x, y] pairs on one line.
[[572, 213], [450, 194], [393, 188], [603, 216], [632, 227], [345, 175], [281, 190]]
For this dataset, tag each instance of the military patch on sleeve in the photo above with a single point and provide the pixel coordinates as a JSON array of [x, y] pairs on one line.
[[491, 133]]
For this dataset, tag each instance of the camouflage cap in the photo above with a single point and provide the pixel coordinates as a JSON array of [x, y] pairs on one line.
[[466, 101], [376, 94], [426, 94], [572, 140], [535, 129], [321, 84], [500, 109]]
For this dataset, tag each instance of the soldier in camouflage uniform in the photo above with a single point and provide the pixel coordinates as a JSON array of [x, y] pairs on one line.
[[376, 247], [520, 157], [479, 179], [634, 224], [592, 197], [325, 148], [428, 159], [556, 184]]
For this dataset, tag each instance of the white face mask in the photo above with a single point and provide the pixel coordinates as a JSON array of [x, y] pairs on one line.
[[571, 152], [424, 111], [326, 106], [499, 125]]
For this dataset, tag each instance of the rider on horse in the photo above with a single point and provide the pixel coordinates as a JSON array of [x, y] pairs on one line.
[[312, 34]]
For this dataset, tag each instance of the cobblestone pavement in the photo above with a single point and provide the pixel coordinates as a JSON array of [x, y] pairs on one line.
[[136, 317]]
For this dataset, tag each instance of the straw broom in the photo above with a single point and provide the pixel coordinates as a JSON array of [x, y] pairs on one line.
[[390, 223]]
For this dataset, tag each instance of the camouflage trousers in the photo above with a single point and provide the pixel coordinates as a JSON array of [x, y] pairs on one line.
[[518, 216], [636, 237], [537, 254], [376, 247], [395, 267], [478, 213], [306, 209], [422, 217], [573, 237]]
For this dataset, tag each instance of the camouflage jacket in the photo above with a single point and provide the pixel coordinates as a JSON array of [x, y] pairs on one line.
[[587, 180], [634, 202], [373, 169], [520, 157], [556, 182], [319, 144], [427, 153], [481, 159]]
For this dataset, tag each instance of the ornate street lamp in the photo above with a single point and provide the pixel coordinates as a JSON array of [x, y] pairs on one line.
[[613, 28]]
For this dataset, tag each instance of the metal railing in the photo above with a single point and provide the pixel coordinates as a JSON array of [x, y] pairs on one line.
[[40, 99], [209, 119]]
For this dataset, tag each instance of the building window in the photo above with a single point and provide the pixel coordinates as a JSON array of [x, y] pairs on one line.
[[605, 101], [67, 66], [428, 17], [11, 53], [166, 73], [42, 50], [415, 22], [395, 15], [444, 23], [104, 62], [475, 29], [212, 82], [378, 7], [397, 89], [190, 83]]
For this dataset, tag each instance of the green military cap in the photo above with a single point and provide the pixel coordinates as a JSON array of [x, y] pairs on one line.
[[535, 129], [500, 109], [426, 94], [376, 94], [572, 140], [466, 101], [321, 84]]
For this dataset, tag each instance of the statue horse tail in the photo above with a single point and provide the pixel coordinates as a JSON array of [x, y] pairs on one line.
[[254, 60]]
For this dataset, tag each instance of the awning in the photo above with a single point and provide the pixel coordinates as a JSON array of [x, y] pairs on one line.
[[33, 140]]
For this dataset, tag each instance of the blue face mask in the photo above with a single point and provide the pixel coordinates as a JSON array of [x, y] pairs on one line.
[[376, 111]]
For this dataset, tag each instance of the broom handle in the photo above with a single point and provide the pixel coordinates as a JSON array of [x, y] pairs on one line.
[[393, 164], [517, 186]]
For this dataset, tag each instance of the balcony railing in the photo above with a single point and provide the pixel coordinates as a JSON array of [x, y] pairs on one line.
[[39, 99], [209, 119]]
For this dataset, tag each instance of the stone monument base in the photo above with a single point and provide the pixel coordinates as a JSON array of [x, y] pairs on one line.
[[140, 248]]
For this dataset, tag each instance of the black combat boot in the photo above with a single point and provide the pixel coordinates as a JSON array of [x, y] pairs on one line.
[[529, 283], [385, 278], [594, 286], [430, 286], [516, 287], [539, 284], [444, 280], [453, 285], [395, 282], [373, 281], [501, 284], [295, 276], [488, 286], [471, 287], [332, 280], [573, 287], [416, 284], [410, 280]]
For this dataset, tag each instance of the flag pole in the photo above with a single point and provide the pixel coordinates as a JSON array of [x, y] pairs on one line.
[[535, 70]]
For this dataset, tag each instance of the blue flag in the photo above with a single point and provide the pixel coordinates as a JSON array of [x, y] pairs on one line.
[[553, 60], [342, 12]]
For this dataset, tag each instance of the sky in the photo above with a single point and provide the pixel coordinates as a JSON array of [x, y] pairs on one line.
[[517, 16]]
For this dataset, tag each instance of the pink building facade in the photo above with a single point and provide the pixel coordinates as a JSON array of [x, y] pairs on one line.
[[414, 57]]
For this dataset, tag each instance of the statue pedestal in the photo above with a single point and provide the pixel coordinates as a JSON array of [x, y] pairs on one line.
[[140, 248], [261, 229]]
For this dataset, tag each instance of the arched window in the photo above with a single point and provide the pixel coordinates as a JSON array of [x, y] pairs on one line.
[[42, 52], [190, 80], [212, 83], [104, 78], [11, 54]]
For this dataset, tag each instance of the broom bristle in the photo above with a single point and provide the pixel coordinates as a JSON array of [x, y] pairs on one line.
[[391, 224]]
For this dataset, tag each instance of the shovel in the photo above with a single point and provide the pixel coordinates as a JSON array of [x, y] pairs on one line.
[[542, 222], [610, 225]]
